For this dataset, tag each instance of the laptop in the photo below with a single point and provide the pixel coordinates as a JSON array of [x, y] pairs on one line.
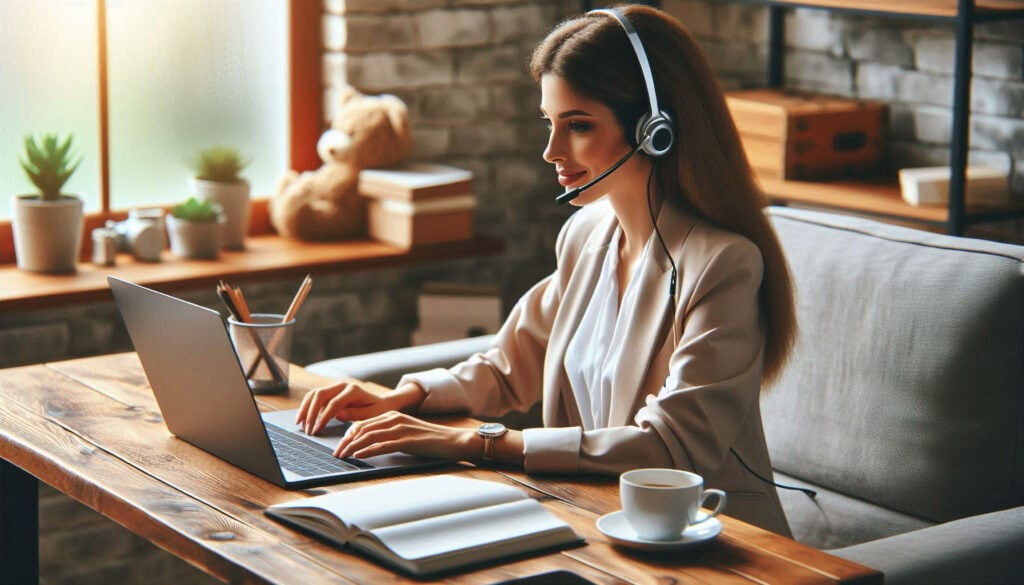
[[202, 393]]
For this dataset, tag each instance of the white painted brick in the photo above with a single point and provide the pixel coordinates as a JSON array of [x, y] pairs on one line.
[[1000, 60], [819, 72], [813, 30], [997, 133], [932, 125], [877, 81], [934, 53], [993, 96], [453, 28], [879, 45], [1011, 31], [926, 88]]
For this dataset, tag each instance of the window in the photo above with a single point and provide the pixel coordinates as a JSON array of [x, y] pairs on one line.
[[181, 75]]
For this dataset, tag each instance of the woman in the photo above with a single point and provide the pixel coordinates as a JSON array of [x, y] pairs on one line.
[[647, 347]]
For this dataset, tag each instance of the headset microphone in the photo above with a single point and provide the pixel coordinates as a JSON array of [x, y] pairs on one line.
[[574, 193]]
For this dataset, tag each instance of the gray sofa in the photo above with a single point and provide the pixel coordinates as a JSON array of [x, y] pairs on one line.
[[902, 405]]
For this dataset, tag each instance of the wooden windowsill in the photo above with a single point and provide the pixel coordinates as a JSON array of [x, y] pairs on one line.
[[265, 256]]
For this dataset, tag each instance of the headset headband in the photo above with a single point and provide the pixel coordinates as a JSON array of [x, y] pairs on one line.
[[641, 55]]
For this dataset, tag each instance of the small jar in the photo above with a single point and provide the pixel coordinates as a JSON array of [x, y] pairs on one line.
[[104, 246]]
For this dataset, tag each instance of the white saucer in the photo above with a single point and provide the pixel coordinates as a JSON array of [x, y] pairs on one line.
[[616, 527]]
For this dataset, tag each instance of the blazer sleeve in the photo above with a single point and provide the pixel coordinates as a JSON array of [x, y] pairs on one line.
[[509, 375], [713, 382]]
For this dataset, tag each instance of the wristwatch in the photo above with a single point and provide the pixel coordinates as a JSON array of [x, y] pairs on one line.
[[490, 431]]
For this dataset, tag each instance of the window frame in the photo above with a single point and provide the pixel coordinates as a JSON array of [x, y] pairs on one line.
[[305, 119]]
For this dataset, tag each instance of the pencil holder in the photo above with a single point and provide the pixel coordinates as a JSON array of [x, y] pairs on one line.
[[264, 348]]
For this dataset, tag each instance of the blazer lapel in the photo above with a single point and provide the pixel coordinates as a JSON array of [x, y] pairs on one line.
[[579, 290], [651, 318]]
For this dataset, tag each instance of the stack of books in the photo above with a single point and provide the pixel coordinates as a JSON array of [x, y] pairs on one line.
[[418, 203]]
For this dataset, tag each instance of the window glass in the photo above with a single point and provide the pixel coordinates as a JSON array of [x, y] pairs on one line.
[[188, 74], [48, 73], [182, 75]]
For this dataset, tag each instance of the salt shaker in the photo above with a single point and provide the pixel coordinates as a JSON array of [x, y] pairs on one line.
[[104, 245]]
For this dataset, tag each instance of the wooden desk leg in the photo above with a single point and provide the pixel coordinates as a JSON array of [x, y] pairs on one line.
[[19, 525]]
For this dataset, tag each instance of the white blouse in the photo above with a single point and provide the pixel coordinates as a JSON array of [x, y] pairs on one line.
[[601, 333]]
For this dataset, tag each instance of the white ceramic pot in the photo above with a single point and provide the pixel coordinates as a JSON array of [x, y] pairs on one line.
[[194, 239], [233, 199], [47, 234]]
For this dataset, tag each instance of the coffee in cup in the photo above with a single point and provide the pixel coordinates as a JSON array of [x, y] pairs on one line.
[[660, 504]]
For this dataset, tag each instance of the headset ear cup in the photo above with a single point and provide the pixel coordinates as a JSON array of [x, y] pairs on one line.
[[659, 130]]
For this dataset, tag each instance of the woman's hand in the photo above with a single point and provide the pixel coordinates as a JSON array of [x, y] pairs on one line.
[[395, 431], [352, 402]]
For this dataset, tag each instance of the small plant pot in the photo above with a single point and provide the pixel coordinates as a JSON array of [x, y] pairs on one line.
[[193, 239], [47, 234], [233, 199]]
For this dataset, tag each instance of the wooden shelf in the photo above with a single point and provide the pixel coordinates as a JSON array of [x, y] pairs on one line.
[[264, 257], [944, 9], [878, 196]]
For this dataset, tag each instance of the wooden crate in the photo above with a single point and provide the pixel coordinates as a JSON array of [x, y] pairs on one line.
[[804, 136]]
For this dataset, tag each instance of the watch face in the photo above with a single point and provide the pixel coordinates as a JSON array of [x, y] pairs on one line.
[[492, 429]]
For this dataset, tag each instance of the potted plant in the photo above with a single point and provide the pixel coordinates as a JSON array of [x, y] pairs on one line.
[[218, 179], [195, 229], [47, 225]]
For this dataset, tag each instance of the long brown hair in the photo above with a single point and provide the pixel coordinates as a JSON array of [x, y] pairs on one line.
[[707, 171]]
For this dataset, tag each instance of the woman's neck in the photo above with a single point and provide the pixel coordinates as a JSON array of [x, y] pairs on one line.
[[635, 218]]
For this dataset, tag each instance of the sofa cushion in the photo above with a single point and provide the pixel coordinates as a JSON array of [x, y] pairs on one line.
[[832, 520], [906, 385], [976, 550]]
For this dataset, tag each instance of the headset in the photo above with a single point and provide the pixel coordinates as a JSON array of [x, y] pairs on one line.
[[654, 129], [654, 134]]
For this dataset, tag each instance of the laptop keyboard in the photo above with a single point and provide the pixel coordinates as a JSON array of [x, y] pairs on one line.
[[308, 458]]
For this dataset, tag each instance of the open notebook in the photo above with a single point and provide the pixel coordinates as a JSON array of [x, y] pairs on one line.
[[430, 524]]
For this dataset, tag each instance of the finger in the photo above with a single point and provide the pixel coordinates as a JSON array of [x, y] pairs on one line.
[[379, 448], [364, 439], [320, 397], [328, 411], [303, 407]]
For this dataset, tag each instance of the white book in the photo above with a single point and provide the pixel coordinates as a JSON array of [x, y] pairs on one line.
[[430, 524], [415, 181]]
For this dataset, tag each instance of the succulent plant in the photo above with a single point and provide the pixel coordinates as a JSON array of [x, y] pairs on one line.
[[49, 164], [197, 211], [219, 163]]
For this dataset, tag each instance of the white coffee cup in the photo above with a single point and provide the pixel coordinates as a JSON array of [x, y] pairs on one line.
[[661, 503]]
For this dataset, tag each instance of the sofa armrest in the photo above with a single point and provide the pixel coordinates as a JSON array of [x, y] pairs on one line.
[[387, 367], [978, 549]]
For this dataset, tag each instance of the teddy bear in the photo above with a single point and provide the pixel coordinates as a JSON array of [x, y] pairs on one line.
[[324, 204]]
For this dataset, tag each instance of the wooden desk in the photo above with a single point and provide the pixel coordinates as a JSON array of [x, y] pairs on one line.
[[91, 429]]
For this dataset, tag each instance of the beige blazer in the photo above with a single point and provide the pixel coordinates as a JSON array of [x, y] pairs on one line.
[[680, 398]]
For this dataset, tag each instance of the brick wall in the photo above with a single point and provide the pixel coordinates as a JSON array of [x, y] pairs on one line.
[[460, 65]]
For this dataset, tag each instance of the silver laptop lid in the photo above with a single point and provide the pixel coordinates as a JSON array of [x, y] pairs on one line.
[[196, 377]]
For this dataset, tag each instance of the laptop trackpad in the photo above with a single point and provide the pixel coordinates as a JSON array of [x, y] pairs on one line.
[[333, 433]]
